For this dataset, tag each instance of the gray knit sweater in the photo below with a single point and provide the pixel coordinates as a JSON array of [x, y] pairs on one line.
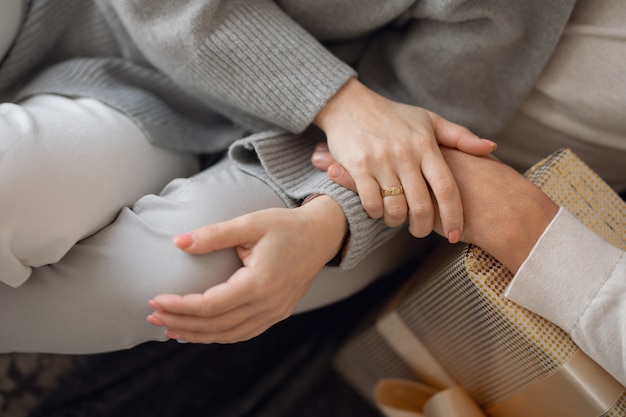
[[201, 75]]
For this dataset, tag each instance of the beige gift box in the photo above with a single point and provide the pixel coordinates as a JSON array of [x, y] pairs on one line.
[[450, 344]]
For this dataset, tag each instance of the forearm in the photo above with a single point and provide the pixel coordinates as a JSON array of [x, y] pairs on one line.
[[505, 214], [514, 228], [245, 57], [563, 271]]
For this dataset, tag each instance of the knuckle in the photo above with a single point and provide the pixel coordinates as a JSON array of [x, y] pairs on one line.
[[373, 207], [423, 139], [421, 210], [464, 130], [395, 216], [396, 211], [206, 234], [445, 188]]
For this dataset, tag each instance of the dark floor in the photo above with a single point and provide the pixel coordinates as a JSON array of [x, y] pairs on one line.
[[287, 372]]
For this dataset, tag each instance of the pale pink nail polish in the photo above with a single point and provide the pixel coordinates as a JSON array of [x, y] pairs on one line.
[[183, 241], [491, 143], [319, 156], [155, 321], [334, 171], [173, 335], [454, 236]]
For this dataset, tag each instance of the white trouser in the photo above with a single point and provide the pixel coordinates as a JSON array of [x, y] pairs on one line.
[[67, 167], [94, 299]]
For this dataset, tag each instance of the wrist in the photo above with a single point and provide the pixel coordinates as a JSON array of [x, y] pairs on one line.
[[519, 230], [351, 92], [329, 223]]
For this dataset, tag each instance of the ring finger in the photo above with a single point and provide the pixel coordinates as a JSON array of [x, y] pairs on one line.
[[395, 209], [420, 205]]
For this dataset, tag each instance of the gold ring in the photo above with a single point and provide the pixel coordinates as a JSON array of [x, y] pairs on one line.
[[385, 192]]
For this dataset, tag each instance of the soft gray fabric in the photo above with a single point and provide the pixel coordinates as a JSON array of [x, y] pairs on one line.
[[99, 290], [197, 75]]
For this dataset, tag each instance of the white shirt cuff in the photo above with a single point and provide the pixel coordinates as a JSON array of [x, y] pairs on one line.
[[564, 271]]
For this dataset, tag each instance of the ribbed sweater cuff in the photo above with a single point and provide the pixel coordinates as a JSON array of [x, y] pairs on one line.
[[283, 162], [564, 271]]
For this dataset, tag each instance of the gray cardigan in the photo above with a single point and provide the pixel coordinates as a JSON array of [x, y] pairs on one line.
[[201, 76]]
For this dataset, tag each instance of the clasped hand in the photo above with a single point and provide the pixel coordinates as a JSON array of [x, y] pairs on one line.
[[385, 144], [269, 284], [381, 144]]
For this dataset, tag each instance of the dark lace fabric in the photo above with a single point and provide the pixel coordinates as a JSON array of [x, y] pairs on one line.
[[27, 378]]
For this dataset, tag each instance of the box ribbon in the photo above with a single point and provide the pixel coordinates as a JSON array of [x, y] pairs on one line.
[[579, 388], [404, 398]]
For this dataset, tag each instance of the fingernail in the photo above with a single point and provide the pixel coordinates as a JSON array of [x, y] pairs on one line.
[[183, 241], [155, 321], [334, 171], [173, 335], [491, 143], [454, 236], [318, 156]]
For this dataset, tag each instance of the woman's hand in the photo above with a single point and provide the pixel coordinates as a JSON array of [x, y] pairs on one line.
[[275, 273], [505, 214], [387, 144]]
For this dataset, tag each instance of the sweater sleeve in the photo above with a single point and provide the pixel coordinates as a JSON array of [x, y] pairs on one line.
[[473, 62], [246, 58], [284, 164], [577, 280]]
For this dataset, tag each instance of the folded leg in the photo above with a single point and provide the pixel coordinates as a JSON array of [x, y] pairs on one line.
[[67, 166], [95, 298]]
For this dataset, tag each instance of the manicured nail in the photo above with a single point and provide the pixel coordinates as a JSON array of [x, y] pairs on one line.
[[490, 143], [454, 236], [183, 241], [334, 171], [155, 321], [173, 335], [318, 156]]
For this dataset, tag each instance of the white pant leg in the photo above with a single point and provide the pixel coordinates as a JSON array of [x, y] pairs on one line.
[[95, 298], [67, 166]]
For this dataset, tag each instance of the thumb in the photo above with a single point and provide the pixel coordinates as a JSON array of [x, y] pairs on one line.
[[323, 160]]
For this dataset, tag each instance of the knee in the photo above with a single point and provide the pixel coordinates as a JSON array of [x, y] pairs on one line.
[[12, 271]]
